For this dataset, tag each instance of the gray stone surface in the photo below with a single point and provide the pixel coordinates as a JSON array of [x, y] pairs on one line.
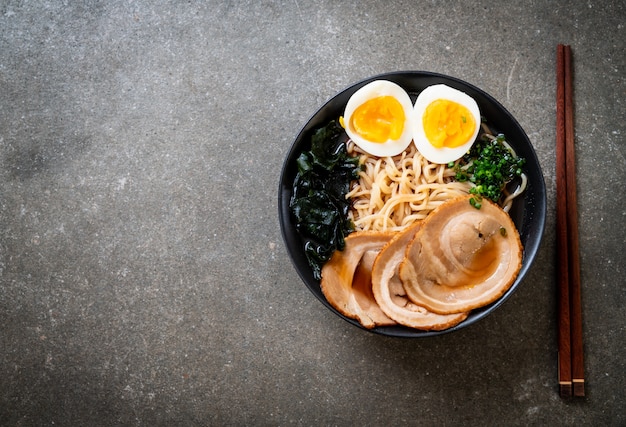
[[143, 278]]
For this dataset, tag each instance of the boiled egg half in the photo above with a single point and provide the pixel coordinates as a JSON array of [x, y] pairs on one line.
[[377, 118], [445, 123]]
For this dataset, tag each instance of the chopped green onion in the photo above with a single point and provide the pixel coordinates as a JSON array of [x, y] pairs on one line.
[[490, 165], [475, 203]]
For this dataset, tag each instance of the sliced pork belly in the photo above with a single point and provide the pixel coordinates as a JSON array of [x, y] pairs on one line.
[[462, 257], [390, 294], [346, 278]]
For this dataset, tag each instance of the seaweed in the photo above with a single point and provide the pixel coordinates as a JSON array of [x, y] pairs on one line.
[[318, 202]]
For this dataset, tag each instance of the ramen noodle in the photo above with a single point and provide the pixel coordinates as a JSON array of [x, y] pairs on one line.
[[393, 192]]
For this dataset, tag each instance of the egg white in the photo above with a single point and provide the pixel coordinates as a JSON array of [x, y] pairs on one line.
[[372, 90], [425, 98]]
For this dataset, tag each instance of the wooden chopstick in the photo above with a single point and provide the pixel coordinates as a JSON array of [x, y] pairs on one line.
[[564, 338], [571, 367], [578, 372]]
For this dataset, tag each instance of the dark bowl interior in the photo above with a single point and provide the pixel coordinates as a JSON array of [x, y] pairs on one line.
[[528, 211]]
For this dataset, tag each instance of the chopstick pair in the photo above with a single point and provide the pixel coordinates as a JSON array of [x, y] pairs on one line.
[[571, 369]]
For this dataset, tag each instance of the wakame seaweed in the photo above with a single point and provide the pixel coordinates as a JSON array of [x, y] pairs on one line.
[[318, 202]]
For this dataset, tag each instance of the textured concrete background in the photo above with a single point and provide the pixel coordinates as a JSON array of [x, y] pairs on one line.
[[143, 277]]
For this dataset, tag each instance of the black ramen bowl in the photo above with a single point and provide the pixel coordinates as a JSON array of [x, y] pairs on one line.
[[528, 211]]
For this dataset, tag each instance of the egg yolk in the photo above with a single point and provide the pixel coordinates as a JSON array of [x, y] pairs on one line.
[[379, 119], [448, 124]]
